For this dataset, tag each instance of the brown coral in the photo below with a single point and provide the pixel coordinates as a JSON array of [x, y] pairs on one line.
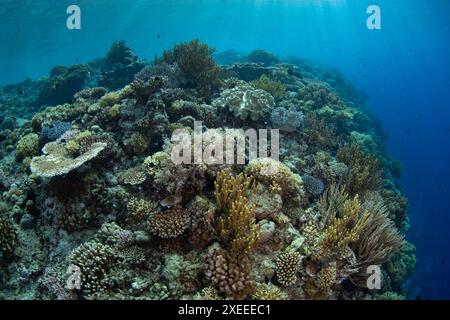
[[287, 267], [237, 227], [168, 224], [229, 275]]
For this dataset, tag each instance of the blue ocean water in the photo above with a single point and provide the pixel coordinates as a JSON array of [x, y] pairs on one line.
[[404, 68]]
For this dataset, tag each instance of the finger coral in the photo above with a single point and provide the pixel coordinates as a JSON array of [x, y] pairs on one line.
[[229, 275]]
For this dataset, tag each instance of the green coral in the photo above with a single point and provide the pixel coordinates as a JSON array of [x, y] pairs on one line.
[[276, 88], [8, 237], [27, 146], [196, 63]]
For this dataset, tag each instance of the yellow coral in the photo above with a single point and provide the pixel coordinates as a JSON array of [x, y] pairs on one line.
[[275, 88], [237, 226], [269, 292], [343, 230], [27, 146], [365, 173]]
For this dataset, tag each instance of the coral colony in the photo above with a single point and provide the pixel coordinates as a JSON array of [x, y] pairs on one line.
[[197, 176]]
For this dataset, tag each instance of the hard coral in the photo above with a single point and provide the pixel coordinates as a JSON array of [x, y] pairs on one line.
[[237, 227], [94, 260], [365, 173], [278, 178], [8, 238], [56, 161], [246, 102], [288, 265], [27, 146], [276, 88], [288, 120], [229, 275], [169, 224]]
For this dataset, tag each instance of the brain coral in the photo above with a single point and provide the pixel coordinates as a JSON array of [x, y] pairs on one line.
[[57, 161], [246, 102]]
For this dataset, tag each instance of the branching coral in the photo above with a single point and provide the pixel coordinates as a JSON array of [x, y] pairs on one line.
[[288, 265], [169, 224], [139, 209], [343, 228], [365, 173], [8, 238], [27, 146], [94, 260], [57, 161], [229, 274], [237, 226], [276, 88], [269, 292]]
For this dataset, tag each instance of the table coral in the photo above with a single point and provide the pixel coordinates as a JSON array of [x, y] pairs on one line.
[[57, 161]]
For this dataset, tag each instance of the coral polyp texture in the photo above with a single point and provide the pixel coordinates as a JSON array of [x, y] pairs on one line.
[[92, 193]]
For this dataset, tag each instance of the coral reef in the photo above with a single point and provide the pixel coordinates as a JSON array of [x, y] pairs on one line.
[[108, 198]]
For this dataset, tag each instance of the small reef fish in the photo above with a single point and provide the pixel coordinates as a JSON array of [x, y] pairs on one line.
[[171, 201]]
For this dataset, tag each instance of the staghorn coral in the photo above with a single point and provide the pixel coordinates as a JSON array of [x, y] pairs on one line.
[[287, 266], [56, 160], [168, 224], [246, 102], [94, 260], [288, 120], [236, 226]]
